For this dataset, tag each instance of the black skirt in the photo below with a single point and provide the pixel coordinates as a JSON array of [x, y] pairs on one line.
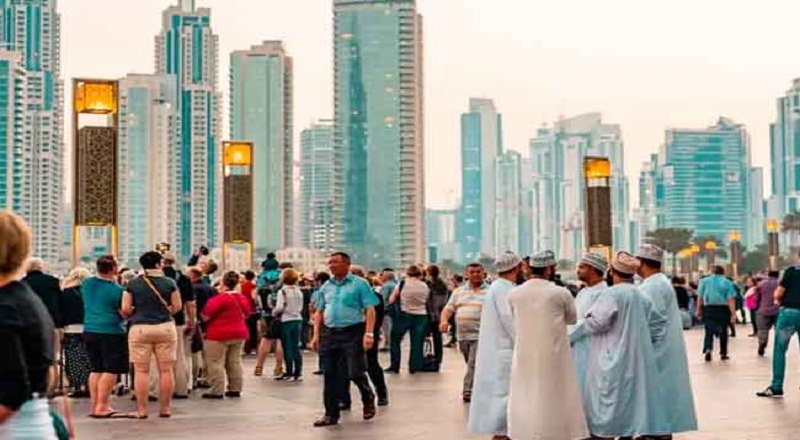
[[272, 328]]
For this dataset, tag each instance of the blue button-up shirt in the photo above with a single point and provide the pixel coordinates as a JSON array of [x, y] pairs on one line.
[[343, 302], [716, 290]]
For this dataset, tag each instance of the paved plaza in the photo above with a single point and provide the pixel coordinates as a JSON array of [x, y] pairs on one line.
[[428, 406]]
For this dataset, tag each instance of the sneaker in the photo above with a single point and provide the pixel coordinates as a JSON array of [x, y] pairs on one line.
[[297, 379], [762, 349], [213, 396], [770, 392], [233, 394], [283, 377], [326, 421]]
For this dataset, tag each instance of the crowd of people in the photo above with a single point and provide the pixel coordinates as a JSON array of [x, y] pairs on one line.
[[602, 359]]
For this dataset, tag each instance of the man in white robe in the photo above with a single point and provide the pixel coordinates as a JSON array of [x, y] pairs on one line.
[[592, 272], [544, 402], [668, 343], [487, 412], [621, 392]]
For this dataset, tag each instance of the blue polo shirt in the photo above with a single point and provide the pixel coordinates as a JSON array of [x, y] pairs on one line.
[[716, 290], [343, 302]]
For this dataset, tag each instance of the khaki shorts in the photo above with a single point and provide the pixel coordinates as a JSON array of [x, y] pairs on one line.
[[146, 340]]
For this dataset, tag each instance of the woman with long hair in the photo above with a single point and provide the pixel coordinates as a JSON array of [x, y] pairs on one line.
[[76, 358]]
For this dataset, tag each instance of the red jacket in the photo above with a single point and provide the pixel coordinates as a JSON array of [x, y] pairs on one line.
[[226, 314]]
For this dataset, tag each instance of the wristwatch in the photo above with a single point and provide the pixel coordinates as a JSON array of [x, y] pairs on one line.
[[371, 335]]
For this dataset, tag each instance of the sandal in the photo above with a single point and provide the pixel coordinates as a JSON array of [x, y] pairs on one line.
[[259, 372]]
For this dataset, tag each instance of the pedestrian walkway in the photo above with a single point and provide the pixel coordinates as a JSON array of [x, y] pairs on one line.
[[427, 406]]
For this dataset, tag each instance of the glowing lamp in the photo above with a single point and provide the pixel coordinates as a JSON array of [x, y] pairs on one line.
[[597, 168], [237, 153], [773, 225], [95, 97], [710, 245], [735, 236]]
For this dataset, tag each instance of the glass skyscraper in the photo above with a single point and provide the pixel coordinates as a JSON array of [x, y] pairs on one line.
[[316, 187], [32, 28], [148, 166], [187, 48], [508, 208], [261, 111], [481, 145], [785, 153], [706, 173], [378, 133], [15, 148]]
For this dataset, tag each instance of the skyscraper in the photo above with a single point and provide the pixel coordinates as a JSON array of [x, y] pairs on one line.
[[261, 111], [706, 174], [785, 153], [508, 209], [378, 133], [187, 48], [756, 223], [650, 215], [481, 145], [559, 198], [15, 147], [148, 165], [316, 187], [440, 232], [32, 28]]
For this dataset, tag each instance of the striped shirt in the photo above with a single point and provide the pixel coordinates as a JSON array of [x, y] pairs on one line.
[[467, 304]]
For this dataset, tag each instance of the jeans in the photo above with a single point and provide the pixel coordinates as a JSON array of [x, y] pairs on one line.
[[344, 360], [788, 325], [765, 324], [291, 333], [716, 320], [753, 317], [438, 345], [415, 324], [469, 349], [375, 370]]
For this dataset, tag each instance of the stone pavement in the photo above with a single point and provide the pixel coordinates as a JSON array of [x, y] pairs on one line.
[[428, 406]]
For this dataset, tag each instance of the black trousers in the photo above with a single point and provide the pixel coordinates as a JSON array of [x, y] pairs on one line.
[[438, 345], [344, 361], [716, 320]]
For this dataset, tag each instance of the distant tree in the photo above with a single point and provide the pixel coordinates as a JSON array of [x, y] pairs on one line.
[[701, 241], [791, 222], [672, 241]]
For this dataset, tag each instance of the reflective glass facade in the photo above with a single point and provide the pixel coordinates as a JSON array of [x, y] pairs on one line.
[[378, 131], [261, 112]]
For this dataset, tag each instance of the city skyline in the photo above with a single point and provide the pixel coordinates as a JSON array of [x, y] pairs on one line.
[[743, 92]]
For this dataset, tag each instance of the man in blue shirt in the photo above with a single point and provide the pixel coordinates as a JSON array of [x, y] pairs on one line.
[[345, 305], [716, 306]]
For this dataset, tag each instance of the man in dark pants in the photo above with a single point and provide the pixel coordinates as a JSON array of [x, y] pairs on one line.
[[716, 306], [438, 300], [346, 306]]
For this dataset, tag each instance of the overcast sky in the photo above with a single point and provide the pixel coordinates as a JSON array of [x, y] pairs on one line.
[[645, 65]]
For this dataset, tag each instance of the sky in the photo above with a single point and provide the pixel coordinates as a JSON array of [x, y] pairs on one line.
[[645, 65]]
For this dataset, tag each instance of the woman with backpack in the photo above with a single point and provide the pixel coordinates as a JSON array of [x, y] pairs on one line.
[[412, 295], [267, 287], [289, 310]]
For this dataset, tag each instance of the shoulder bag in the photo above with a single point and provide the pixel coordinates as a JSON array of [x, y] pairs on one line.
[[158, 295]]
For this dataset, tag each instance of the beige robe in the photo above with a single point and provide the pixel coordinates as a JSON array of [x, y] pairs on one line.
[[544, 401]]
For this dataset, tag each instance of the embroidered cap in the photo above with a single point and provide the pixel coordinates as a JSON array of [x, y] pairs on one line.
[[506, 262], [597, 261], [625, 263], [651, 252]]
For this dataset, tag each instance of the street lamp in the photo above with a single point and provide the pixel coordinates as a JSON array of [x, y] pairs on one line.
[[695, 249], [238, 215], [736, 252], [95, 158], [711, 253], [773, 243], [597, 180]]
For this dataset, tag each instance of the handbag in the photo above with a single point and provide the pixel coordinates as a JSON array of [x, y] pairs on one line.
[[279, 314]]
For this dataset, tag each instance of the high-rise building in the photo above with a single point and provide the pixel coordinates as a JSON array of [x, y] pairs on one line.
[[149, 191], [378, 133], [32, 28], [706, 173], [785, 153], [559, 193], [440, 233], [651, 197], [15, 147], [187, 48], [316, 187], [756, 220], [508, 208], [261, 111], [481, 145], [527, 215]]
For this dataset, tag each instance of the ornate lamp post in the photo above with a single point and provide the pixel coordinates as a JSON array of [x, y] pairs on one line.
[[711, 254], [695, 266], [94, 158], [237, 162], [736, 252], [599, 233], [773, 243]]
